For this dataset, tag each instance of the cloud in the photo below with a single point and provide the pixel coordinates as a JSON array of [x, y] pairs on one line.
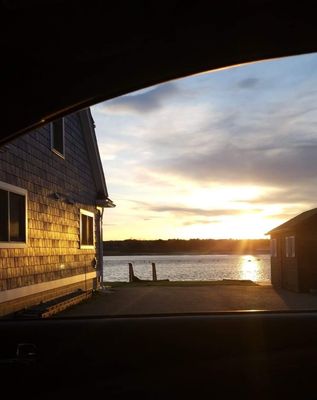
[[293, 194], [143, 102], [179, 210], [274, 145], [111, 150], [229, 164], [200, 222], [254, 125], [182, 211], [248, 83], [268, 154]]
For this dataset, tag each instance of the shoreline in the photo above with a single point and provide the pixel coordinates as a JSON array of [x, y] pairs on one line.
[[230, 282], [116, 254]]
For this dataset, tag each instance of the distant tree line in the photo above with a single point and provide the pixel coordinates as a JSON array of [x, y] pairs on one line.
[[177, 246]]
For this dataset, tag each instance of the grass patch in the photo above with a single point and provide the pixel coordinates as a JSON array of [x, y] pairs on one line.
[[225, 282]]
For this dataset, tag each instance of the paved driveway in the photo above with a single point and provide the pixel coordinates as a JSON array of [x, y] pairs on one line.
[[164, 299]]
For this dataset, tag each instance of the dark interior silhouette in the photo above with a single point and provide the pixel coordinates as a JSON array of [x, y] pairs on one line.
[[60, 56]]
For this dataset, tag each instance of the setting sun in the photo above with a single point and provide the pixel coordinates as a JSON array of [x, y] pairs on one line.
[[244, 226], [229, 196]]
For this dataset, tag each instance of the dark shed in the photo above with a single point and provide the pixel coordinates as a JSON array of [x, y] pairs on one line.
[[294, 253]]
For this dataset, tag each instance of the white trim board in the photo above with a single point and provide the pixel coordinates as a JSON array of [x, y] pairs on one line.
[[12, 294]]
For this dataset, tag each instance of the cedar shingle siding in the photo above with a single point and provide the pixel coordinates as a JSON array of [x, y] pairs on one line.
[[52, 251]]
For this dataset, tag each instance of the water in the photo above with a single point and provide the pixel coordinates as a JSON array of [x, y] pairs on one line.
[[190, 267]]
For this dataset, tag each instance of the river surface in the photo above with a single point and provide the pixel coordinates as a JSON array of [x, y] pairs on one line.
[[190, 267]]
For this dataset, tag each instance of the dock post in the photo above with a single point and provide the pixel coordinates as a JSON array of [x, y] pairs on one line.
[[131, 273], [154, 272]]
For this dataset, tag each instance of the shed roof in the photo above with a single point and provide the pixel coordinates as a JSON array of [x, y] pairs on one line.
[[293, 222]]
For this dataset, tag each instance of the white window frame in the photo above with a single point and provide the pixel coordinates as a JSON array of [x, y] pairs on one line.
[[23, 192], [92, 215], [290, 246], [273, 247], [62, 155]]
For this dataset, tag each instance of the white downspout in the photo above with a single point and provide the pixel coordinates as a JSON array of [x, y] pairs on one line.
[[100, 267]]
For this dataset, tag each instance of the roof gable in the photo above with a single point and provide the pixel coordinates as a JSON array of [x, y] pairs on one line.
[[94, 156], [294, 222]]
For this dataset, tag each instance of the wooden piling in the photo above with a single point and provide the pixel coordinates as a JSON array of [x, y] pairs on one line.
[[154, 272], [131, 273]]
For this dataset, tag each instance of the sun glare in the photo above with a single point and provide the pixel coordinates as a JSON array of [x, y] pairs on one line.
[[250, 268], [244, 226], [220, 196]]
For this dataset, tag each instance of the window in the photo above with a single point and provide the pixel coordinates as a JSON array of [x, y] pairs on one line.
[[273, 248], [12, 216], [57, 137], [86, 229], [290, 246]]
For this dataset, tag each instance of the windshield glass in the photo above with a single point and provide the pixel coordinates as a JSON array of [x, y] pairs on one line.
[[209, 201]]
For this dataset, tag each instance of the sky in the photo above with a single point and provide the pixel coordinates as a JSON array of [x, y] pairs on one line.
[[224, 154]]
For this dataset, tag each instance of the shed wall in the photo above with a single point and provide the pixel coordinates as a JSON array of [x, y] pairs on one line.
[[307, 255], [276, 264], [284, 270]]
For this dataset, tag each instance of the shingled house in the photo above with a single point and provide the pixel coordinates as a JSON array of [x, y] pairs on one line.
[[294, 253], [52, 196]]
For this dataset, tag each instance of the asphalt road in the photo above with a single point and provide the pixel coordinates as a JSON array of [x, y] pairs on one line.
[[166, 300]]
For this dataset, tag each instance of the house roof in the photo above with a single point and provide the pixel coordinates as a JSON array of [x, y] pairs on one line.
[[88, 126], [292, 223]]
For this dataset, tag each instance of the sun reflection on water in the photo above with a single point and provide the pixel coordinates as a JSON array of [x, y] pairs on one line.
[[250, 268]]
